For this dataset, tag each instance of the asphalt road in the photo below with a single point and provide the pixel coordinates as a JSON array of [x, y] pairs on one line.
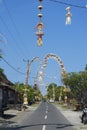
[[45, 117]]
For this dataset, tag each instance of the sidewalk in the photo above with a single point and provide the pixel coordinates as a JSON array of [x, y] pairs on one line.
[[14, 117], [73, 118]]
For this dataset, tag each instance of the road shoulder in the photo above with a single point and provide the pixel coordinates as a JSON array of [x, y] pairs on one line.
[[72, 117], [14, 117]]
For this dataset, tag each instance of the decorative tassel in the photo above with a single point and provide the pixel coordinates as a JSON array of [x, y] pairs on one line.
[[68, 16]]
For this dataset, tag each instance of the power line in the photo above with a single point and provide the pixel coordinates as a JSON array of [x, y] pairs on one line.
[[14, 25], [12, 36], [15, 68], [12, 66], [64, 3]]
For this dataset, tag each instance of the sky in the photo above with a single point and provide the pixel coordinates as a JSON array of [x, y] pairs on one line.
[[18, 41]]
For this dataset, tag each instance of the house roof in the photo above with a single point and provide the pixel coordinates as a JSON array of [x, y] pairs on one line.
[[4, 79]]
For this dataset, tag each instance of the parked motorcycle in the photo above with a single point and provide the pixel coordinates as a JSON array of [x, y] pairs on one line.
[[83, 117]]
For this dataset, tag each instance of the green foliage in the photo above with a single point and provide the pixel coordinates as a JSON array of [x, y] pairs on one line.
[[86, 67], [50, 88], [0, 53], [78, 84], [2, 75], [1, 70], [73, 101], [31, 93], [59, 92], [0, 56], [19, 87]]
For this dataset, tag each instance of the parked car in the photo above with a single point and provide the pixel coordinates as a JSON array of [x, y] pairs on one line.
[[51, 101]]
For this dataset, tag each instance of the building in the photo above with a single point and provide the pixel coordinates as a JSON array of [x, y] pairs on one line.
[[9, 97]]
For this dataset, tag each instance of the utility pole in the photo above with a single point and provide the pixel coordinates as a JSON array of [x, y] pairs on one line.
[[25, 102]]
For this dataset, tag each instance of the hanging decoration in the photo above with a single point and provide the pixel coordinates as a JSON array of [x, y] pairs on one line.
[[68, 15], [40, 26]]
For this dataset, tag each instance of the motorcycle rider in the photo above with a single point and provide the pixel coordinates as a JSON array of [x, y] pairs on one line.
[[84, 113]]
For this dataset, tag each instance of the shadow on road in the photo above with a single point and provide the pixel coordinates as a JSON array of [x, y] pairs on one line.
[[8, 116], [15, 127], [5, 121]]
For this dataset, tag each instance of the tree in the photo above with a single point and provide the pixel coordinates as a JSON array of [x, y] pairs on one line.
[[59, 93], [30, 93], [19, 87], [2, 75], [78, 85], [86, 67], [37, 94], [0, 54], [51, 90]]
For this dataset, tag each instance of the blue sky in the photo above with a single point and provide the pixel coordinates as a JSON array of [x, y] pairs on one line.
[[18, 19]]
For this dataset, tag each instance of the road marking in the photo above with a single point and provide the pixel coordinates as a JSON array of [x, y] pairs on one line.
[[47, 108], [46, 111], [45, 116], [44, 127]]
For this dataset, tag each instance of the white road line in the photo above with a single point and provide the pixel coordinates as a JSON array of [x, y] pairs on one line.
[[46, 111], [44, 127], [45, 116], [47, 108]]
